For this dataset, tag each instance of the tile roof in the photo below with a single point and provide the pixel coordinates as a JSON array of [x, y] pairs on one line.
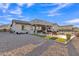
[[42, 22], [35, 21], [21, 22]]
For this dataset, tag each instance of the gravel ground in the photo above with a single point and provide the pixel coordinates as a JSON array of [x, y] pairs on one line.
[[10, 41], [41, 48], [19, 51], [24, 44], [56, 50]]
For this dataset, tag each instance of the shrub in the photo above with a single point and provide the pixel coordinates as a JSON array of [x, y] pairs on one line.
[[53, 38], [4, 30], [68, 36], [49, 37], [1, 30]]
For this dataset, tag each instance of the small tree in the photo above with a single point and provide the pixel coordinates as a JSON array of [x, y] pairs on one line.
[[68, 36], [4, 30]]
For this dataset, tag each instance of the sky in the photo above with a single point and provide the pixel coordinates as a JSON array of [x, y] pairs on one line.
[[60, 13]]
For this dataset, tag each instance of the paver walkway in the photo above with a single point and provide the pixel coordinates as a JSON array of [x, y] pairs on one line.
[[72, 50]]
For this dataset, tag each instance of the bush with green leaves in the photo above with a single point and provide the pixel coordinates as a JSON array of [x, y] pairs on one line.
[[1, 31], [51, 37], [48, 37], [54, 38]]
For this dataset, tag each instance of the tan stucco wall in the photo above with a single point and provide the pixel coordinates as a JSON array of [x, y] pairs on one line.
[[16, 26], [28, 27], [19, 26]]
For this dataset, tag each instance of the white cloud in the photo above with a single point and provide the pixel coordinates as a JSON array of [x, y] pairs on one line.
[[73, 21], [54, 14], [20, 4], [21, 17], [54, 11], [6, 17], [10, 18], [29, 5], [60, 6], [4, 6], [17, 11]]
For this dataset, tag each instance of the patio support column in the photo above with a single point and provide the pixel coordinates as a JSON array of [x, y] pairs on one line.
[[35, 29], [46, 30]]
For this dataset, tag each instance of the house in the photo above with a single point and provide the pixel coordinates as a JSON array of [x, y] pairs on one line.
[[66, 29], [5, 27], [34, 26], [38, 26]]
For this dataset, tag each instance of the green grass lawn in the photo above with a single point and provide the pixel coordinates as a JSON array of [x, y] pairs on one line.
[[61, 40], [48, 37]]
